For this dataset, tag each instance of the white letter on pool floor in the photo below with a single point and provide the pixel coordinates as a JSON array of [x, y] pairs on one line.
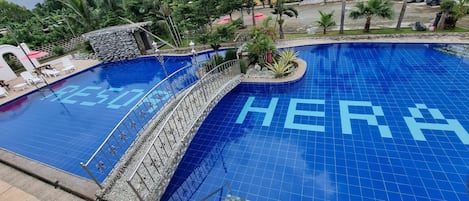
[[346, 117], [416, 127], [292, 112], [269, 112]]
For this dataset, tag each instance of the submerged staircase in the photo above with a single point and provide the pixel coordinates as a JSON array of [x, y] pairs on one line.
[[457, 50], [230, 197]]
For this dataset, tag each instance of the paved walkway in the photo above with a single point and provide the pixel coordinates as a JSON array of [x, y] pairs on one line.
[[18, 186]]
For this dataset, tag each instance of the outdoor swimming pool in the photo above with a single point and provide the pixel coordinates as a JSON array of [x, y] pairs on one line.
[[367, 122], [64, 126]]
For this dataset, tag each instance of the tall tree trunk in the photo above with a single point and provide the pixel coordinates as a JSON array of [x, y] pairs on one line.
[[367, 25], [401, 15], [342, 17], [280, 28], [253, 17], [441, 23]]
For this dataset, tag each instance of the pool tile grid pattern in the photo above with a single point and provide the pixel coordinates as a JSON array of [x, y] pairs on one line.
[[285, 158]]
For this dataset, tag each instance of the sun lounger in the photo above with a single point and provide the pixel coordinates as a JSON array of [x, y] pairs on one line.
[[51, 72], [68, 66], [29, 78], [3, 92]]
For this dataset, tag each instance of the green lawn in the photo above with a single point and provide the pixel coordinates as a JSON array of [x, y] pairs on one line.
[[372, 31]]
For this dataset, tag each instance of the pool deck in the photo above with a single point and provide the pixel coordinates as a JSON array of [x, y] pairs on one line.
[[17, 185], [80, 65]]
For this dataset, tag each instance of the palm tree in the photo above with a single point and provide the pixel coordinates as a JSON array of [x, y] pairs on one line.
[[381, 8], [326, 20], [342, 17], [280, 10], [447, 6], [83, 13], [401, 15]]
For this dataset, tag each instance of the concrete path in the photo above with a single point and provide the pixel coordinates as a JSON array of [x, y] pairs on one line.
[[18, 186]]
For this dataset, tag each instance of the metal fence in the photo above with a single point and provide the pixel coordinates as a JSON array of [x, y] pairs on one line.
[[169, 143], [126, 131]]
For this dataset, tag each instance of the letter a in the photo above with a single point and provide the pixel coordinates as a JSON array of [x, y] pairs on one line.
[[416, 127]]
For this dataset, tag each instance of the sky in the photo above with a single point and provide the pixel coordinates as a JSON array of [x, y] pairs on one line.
[[29, 4]]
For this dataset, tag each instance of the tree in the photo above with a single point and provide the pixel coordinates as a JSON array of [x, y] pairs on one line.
[[326, 20], [451, 12], [342, 17], [265, 29], [381, 8], [401, 15], [280, 9], [11, 12], [447, 8], [83, 13]]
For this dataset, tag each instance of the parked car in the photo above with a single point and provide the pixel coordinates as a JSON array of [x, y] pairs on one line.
[[417, 1], [433, 2]]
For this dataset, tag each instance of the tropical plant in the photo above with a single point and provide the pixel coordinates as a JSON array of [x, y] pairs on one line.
[[230, 54], [451, 12], [280, 9], [58, 50], [258, 49], [381, 8], [280, 68], [289, 55], [243, 66], [83, 13], [401, 14], [326, 21], [266, 29]]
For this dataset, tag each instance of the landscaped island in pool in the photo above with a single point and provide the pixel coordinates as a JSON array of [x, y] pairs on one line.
[[369, 121]]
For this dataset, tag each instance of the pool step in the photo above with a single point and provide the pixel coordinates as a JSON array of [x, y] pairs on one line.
[[230, 197], [458, 50]]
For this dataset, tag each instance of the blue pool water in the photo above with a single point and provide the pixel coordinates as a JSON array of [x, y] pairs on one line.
[[64, 128], [367, 122]]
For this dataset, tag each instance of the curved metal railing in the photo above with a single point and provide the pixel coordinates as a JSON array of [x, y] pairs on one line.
[[103, 160], [167, 146]]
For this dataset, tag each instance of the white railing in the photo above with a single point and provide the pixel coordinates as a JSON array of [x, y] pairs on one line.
[[173, 137], [103, 160]]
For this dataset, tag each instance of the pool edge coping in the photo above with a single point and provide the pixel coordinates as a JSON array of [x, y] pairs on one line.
[[58, 178]]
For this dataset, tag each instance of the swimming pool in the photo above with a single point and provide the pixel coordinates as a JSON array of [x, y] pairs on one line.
[[63, 126], [369, 121]]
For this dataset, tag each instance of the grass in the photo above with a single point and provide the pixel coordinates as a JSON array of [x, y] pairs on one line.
[[372, 31]]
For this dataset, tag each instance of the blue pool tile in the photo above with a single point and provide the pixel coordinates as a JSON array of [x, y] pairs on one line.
[[412, 87]]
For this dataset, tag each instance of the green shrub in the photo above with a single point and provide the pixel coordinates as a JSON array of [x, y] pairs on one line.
[[280, 68], [243, 66], [58, 50], [213, 62], [288, 55], [230, 54]]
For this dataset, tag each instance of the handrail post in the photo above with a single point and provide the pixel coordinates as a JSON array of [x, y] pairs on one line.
[[85, 167]]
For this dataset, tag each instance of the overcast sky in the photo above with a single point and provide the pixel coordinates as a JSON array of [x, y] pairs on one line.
[[29, 4]]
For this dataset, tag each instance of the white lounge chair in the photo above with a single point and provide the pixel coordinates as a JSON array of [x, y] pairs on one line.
[[68, 66], [3, 92], [51, 72], [29, 78]]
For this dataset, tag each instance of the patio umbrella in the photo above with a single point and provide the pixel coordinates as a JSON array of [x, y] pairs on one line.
[[259, 16], [34, 55], [224, 20]]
